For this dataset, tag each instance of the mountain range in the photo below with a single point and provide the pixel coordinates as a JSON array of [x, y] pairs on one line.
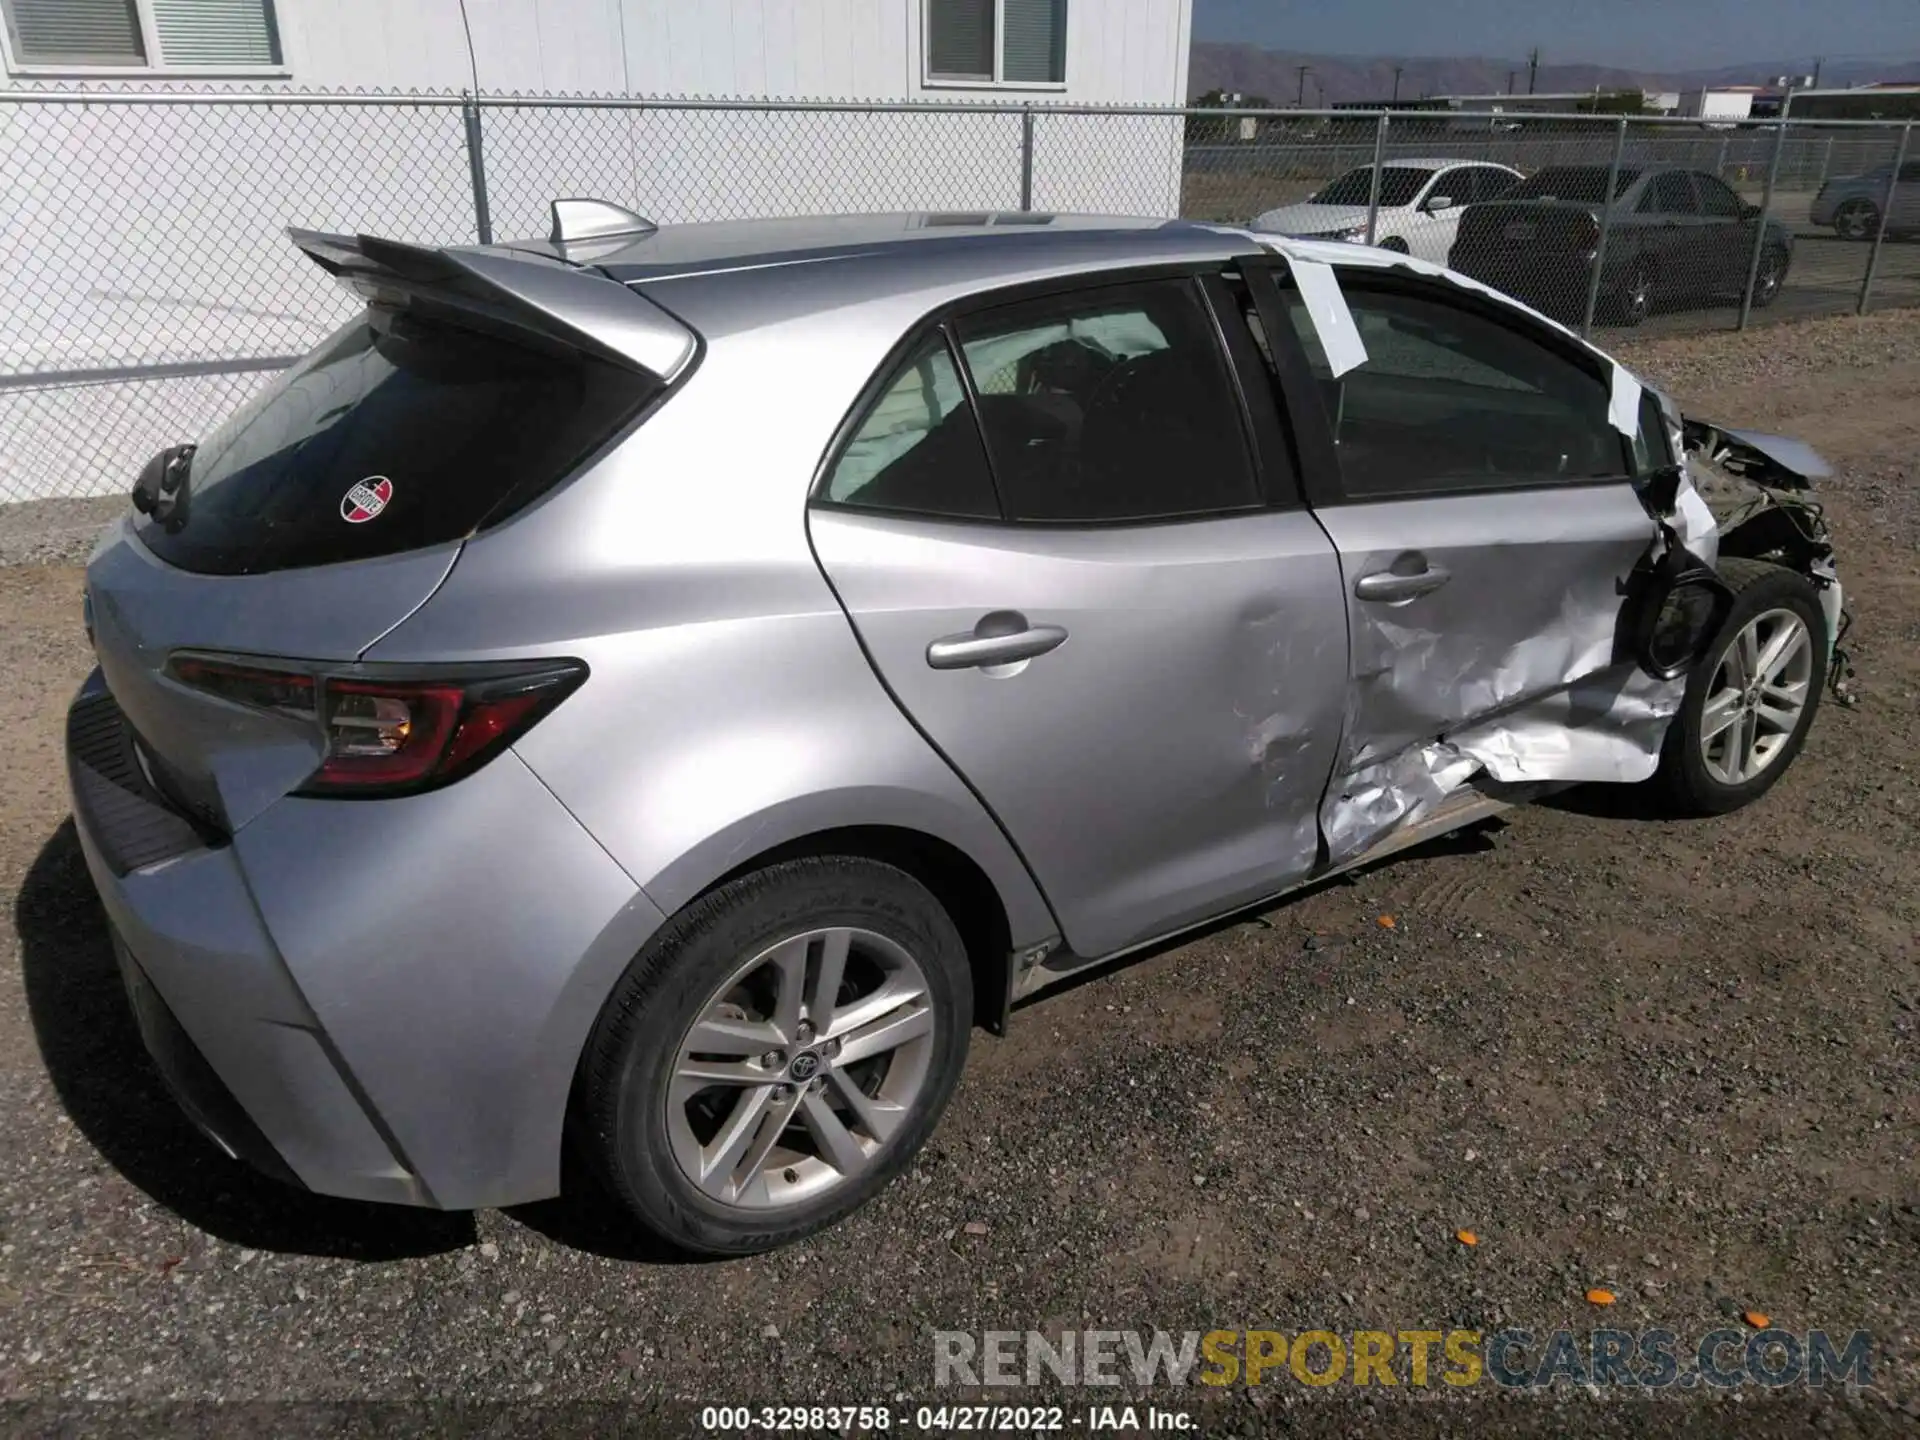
[[1274, 75]]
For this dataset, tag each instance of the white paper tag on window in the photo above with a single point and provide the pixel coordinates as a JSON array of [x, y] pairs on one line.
[[1332, 320], [1624, 412]]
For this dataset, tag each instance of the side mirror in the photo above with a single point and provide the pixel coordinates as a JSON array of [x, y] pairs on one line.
[[1675, 606], [1436, 203]]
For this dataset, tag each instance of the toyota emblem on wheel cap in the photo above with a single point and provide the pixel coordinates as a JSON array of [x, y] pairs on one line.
[[366, 499], [805, 1065]]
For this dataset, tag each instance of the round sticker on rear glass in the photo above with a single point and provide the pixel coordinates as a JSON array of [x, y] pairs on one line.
[[366, 499]]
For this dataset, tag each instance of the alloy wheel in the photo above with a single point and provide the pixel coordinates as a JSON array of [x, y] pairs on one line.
[[1760, 688], [1856, 220], [1638, 301], [799, 1067]]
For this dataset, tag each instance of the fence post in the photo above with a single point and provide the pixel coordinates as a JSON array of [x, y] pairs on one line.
[[1606, 226], [1760, 224], [1373, 193], [1826, 161], [1720, 165], [1880, 235], [477, 167], [1026, 155]]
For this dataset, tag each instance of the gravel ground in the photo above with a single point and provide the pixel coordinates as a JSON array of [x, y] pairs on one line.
[[1673, 1060]]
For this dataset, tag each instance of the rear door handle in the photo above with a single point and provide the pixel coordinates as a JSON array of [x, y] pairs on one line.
[[1002, 637], [1385, 585]]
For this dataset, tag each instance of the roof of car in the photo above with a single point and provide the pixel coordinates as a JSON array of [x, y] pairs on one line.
[[994, 240], [1437, 162]]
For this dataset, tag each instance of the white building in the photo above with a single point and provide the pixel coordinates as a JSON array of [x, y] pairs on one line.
[[150, 288], [1090, 51]]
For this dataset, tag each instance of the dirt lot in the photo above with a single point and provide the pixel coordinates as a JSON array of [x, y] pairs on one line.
[[1677, 1061]]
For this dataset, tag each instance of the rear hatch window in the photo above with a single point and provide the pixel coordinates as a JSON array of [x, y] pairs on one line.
[[400, 432]]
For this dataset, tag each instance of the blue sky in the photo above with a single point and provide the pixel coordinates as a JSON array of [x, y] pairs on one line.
[[1641, 33]]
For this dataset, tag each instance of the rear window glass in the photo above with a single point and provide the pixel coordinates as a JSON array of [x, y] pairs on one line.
[[1583, 183], [398, 433]]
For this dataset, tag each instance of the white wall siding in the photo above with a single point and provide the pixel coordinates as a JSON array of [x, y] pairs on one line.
[[150, 235], [1117, 52]]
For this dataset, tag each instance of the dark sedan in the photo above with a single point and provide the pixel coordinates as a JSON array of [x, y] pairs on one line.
[[1674, 238]]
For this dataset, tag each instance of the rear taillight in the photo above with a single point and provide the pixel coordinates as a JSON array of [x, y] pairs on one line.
[[398, 730]]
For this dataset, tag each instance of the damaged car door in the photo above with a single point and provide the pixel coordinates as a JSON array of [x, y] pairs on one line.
[[1071, 544], [1483, 506]]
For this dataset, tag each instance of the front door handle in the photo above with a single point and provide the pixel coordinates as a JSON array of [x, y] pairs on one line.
[[1403, 582], [1002, 637]]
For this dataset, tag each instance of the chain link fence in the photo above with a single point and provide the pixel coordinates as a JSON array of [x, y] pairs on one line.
[[149, 288]]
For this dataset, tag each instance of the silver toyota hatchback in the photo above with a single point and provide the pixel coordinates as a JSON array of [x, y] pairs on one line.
[[660, 688]]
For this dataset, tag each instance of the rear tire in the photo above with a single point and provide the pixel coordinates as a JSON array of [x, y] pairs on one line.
[[1635, 301], [1857, 220], [1734, 736], [1770, 278], [730, 1114]]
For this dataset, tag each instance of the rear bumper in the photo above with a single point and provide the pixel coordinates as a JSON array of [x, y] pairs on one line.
[[381, 1000], [196, 1088]]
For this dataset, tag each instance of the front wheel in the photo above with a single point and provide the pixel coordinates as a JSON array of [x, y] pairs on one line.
[[777, 1054], [1750, 702]]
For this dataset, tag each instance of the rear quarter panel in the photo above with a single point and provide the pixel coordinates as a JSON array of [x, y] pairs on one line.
[[730, 708]]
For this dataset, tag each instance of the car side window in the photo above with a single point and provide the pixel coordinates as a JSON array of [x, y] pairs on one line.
[[1716, 199], [1910, 173], [1109, 404], [1669, 193], [917, 449], [1451, 400]]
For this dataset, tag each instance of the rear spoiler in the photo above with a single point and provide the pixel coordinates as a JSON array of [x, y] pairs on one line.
[[578, 308]]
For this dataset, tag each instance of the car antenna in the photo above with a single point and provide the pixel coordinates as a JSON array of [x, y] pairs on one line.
[[580, 218]]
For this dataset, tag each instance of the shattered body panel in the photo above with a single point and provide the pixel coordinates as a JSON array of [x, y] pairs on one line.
[[1523, 674]]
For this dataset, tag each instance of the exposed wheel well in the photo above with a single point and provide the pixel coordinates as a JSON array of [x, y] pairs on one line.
[[960, 886]]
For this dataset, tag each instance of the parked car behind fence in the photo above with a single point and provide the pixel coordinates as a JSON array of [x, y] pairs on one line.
[[1672, 239], [1854, 206]]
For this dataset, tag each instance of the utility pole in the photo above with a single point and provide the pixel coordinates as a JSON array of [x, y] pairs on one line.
[[1511, 74], [1398, 70], [1818, 61], [1300, 96], [1533, 68]]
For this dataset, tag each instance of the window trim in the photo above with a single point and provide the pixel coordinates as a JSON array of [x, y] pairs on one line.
[[1269, 496], [1321, 476], [150, 43], [930, 80]]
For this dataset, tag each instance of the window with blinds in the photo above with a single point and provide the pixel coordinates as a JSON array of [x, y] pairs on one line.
[[960, 39], [1010, 42], [216, 32], [75, 32], [1036, 41], [192, 34]]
